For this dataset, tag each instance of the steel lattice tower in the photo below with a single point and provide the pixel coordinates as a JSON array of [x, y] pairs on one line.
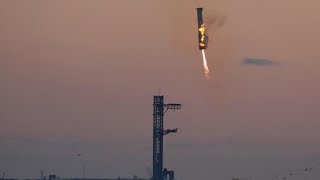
[[159, 109]]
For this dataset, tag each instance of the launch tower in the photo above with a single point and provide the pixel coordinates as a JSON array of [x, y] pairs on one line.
[[159, 109]]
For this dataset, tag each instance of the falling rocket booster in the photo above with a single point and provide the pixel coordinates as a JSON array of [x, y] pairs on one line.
[[201, 30], [202, 41]]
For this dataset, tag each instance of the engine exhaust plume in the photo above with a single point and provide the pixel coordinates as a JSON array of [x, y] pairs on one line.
[[205, 65]]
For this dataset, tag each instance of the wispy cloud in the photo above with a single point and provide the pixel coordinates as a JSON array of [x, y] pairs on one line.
[[259, 62]]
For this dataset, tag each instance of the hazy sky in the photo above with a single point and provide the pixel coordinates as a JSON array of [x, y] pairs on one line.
[[78, 77]]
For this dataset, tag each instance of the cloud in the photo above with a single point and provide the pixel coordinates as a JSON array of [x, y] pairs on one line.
[[259, 62]]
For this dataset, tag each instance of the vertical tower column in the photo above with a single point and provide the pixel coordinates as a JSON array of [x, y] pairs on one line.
[[159, 108], [157, 137]]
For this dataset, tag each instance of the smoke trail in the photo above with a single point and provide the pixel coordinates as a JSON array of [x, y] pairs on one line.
[[215, 22], [205, 65]]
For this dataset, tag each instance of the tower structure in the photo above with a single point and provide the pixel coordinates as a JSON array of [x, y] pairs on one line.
[[41, 175], [159, 109]]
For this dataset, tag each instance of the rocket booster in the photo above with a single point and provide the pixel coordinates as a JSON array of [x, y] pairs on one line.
[[200, 17], [201, 30]]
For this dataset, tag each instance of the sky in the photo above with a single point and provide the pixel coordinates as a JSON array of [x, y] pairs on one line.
[[78, 77]]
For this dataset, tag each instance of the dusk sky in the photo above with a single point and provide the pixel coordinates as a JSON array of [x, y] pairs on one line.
[[78, 77]]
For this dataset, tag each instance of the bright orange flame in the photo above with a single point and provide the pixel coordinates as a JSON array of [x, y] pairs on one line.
[[205, 65], [202, 30]]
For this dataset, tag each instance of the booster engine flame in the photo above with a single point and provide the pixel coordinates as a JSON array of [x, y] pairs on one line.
[[205, 65], [202, 31]]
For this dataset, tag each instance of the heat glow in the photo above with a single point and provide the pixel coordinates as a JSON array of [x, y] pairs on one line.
[[202, 31]]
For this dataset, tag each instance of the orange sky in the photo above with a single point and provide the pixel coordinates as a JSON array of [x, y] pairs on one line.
[[85, 72]]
